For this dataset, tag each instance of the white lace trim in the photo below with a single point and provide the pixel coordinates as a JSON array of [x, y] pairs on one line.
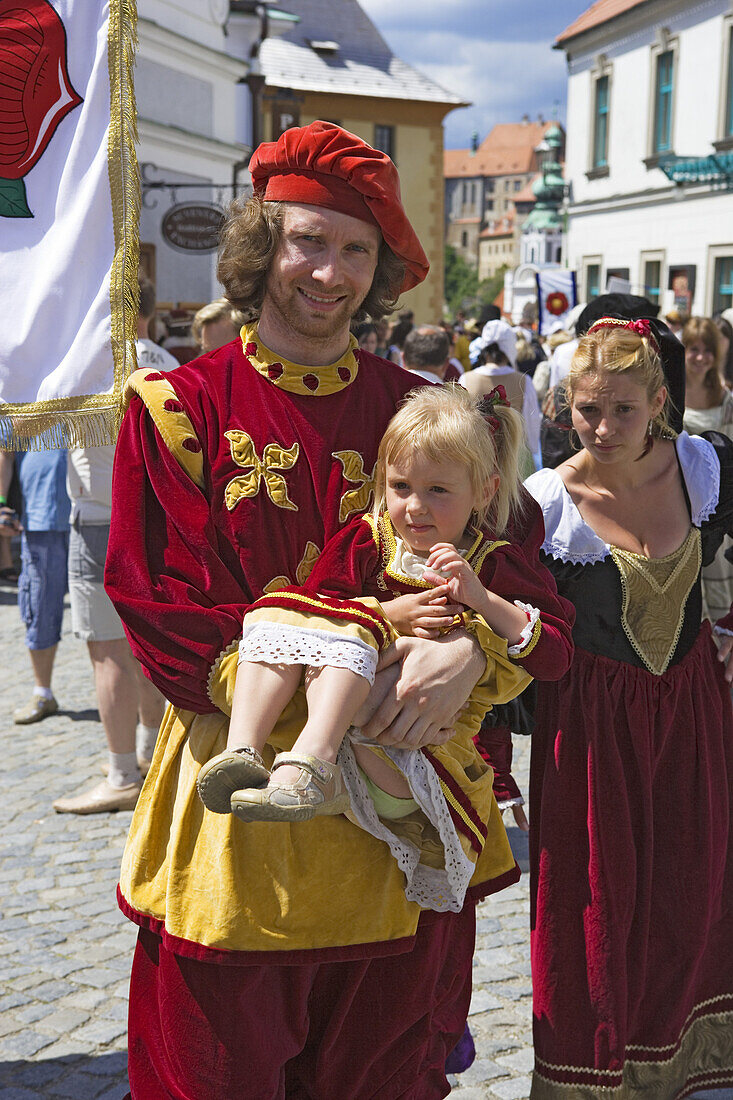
[[285, 644], [214, 671], [701, 467], [526, 636], [432, 888], [569, 538], [507, 802]]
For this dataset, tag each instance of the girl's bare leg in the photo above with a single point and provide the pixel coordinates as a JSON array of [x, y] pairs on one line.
[[380, 773], [333, 695], [261, 693]]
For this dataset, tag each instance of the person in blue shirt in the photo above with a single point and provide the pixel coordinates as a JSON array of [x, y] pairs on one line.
[[42, 583]]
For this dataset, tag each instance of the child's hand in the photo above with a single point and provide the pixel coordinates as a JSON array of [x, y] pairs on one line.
[[446, 567], [423, 614]]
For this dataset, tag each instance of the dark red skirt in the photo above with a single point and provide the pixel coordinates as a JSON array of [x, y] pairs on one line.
[[370, 1029], [632, 879]]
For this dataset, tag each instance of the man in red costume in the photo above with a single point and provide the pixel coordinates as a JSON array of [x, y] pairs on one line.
[[274, 962]]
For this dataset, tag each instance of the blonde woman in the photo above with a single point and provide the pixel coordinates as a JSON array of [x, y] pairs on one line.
[[632, 759]]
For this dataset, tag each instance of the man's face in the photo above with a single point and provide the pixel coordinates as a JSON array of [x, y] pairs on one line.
[[320, 274]]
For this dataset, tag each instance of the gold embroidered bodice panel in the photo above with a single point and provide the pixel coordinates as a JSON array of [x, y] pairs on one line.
[[654, 596]]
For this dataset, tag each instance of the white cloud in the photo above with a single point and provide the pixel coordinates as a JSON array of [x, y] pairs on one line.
[[495, 53]]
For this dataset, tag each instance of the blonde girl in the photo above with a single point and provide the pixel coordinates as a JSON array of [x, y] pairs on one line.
[[422, 563]]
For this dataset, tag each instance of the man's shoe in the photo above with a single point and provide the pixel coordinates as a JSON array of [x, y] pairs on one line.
[[102, 799], [35, 711]]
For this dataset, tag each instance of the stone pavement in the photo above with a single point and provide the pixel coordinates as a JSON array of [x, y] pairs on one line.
[[65, 949]]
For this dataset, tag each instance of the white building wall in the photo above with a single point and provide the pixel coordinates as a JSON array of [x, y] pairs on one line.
[[190, 128], [633, 208]]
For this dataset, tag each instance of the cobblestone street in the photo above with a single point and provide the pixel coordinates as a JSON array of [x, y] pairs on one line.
[[65, 949]]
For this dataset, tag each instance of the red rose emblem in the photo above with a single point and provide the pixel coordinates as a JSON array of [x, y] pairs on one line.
[[35, 93], [557, 303]]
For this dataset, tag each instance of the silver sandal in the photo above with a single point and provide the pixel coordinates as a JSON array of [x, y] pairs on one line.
[[228, 772], [318, 790]]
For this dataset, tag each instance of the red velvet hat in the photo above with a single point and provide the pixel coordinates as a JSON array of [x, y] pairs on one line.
[[323, 165]]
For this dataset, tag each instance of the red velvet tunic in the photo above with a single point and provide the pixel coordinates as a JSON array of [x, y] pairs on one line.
[[223, 490]]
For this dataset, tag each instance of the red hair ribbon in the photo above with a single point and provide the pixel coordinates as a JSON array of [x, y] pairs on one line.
[[641, 327], [489, 401]]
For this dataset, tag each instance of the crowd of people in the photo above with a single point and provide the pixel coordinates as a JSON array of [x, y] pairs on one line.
[[354, 582]]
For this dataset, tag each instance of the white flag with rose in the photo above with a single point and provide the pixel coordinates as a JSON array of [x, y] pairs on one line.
[[69, 204], [556, 295]]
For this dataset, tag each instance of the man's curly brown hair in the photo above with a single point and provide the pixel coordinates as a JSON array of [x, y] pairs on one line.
[[249, 240]]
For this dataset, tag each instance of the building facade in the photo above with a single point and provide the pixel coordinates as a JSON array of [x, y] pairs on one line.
[[333, 64], [650, 150], [488, 195], [191, 135]]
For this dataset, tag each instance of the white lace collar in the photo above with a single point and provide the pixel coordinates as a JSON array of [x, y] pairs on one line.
[[409, 564], [569, 538]]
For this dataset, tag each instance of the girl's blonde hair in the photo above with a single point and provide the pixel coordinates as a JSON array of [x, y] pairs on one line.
[[445, 425], [618, 350]]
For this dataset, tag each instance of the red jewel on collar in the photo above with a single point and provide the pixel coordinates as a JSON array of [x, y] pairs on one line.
[[173, 406], [274, 371], [311, 381], [344, 374], [250, 349], [156, 377]]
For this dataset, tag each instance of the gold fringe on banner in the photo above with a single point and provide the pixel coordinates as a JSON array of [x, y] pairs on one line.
[[124, 180], [94, 420]]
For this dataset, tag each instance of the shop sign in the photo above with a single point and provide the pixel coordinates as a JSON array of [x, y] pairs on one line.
[[193, 227]]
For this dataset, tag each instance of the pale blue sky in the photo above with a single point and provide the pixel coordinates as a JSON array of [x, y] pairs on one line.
[[496, 53]]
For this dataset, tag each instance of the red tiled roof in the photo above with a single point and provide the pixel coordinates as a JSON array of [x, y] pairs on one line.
[[526, 194], [600, 12], [507, 150], [500, 230]]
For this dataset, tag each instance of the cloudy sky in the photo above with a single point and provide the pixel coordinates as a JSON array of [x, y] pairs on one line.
[[496, 53]]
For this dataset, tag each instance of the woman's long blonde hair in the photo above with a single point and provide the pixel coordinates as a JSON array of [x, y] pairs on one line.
[[444, 424]]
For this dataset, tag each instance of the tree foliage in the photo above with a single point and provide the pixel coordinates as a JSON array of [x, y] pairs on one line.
[[462, 287], [460, 280]]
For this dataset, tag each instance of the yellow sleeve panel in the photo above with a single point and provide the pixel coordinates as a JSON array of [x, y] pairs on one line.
[[170, 418]]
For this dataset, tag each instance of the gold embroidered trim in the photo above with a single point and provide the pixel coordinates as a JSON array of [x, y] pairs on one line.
[[525, 652], [93, 420], [475, 556], [231, 648], [451, 798], [371, 618], [274, 457], [373, 527], [654, 597], [704, 1052], [170, 418], [303, 570], [355, 500], [308, 381]]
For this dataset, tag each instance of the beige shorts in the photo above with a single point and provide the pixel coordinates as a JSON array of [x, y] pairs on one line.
[[93, 617]]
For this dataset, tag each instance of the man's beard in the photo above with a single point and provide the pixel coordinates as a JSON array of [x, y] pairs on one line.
[[294, 310]]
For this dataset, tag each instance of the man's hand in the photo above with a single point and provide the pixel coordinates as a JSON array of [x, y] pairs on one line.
[[422, 614], [421, 705]]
